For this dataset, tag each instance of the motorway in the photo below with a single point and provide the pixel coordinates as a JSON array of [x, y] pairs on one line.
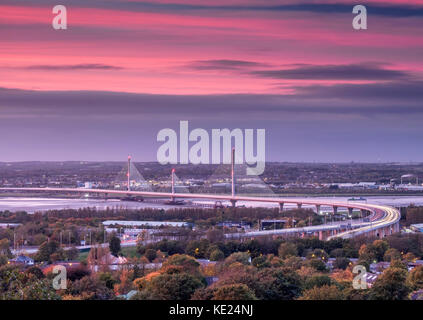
[[384, 220]]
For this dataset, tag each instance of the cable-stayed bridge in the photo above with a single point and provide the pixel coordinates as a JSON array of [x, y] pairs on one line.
[[381, 220]]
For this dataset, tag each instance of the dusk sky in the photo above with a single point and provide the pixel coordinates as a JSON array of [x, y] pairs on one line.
[[125, 69]]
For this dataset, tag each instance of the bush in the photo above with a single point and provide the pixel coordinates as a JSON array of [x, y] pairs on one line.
[[317, 264], [234, 292], [150, 254], [175, 286], [341, 263], [323, 293], [287, 249], [217, 255], [317, 281]]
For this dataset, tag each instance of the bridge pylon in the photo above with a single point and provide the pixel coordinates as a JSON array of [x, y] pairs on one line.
[[128, 174], [173, 184]]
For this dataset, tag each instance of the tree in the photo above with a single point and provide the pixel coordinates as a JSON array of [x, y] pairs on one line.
[[341, 263], [390, 285], [317, 264], [236, 291], [203, 294], [337, 253], [107, 279], [287, 249], [114, 245], [343, 276], [150, 254], [277, 284], [241, 257], [260, 262], [367, 253], [415, 278], [72, 253], [170, 246], [380, 247], [77, 273], [317, 281], [59, 255], [175, 286], [215, 235], [198, 248], [407, 243], [46, 250], [318, 254], [36, 272], [125, 282], [5, 248], [99, 256], [392, 254], [217, 255], [293, 263], [136, 271], [17, 285], [141, 248], [409, 257], [324, 292], [399, 264], [90, 288], [188, 263]]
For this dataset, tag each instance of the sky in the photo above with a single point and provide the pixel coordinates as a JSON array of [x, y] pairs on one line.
[[125, 69]]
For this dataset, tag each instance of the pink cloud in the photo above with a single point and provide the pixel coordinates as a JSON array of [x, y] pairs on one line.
[[151, 49]]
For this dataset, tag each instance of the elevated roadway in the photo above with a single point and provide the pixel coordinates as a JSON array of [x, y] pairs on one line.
[[383, 220]]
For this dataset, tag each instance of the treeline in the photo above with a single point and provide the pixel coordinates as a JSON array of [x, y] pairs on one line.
[[204, 215], [414, 215], [203, 249], [349, 248], [70, 226]]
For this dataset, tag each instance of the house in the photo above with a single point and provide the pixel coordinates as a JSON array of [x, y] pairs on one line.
[[370, 279], [211, 280], [22, 260], [379, 267], [206, 262], [417, 295], [128, 296], [109, 260]]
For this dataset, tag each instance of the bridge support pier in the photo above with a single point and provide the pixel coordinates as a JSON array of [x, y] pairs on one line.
[[299, 205], [318, 208], [350, 212], [280, 207], [233, 203], [320, 235], [335, 210]]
